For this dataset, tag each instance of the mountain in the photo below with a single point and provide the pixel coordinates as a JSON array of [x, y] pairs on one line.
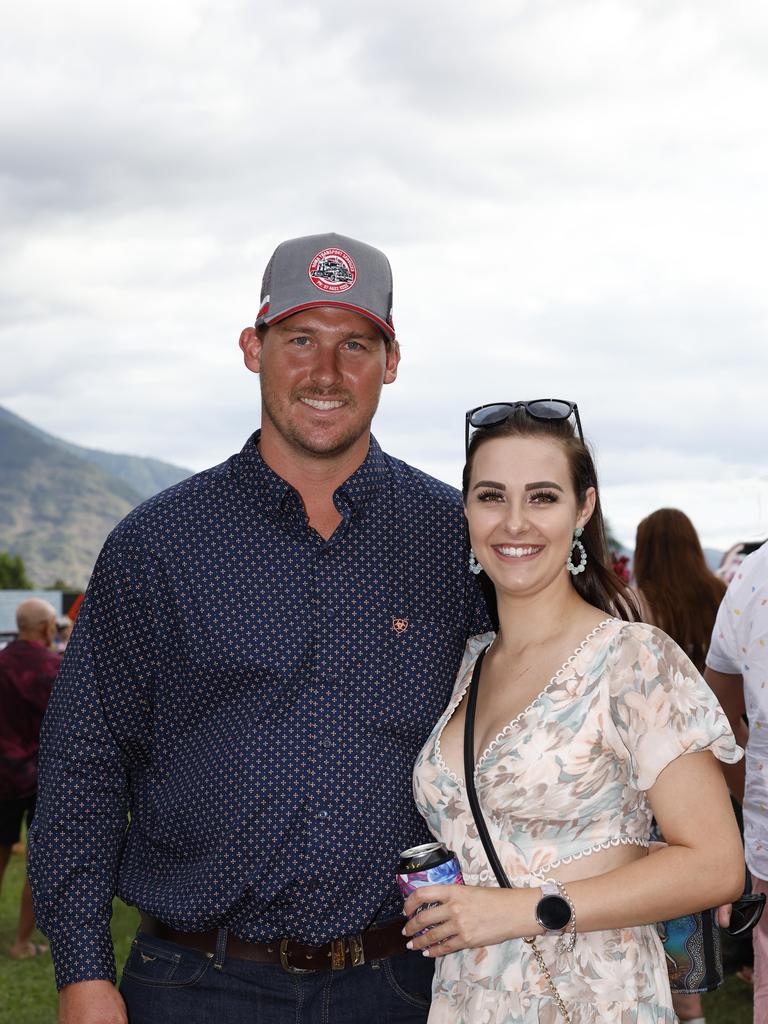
[[59, 501]]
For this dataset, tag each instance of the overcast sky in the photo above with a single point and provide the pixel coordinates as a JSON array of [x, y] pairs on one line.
[[572, 196]]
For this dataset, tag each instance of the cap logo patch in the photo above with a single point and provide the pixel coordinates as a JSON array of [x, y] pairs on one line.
[[332, 270]]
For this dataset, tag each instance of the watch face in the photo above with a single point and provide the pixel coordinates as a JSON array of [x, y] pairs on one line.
[[553, 913]]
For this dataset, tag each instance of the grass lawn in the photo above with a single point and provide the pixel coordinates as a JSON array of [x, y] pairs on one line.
[[28, 995], [27, 990]]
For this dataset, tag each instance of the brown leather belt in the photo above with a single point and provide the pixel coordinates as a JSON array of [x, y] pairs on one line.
[[351, 951]]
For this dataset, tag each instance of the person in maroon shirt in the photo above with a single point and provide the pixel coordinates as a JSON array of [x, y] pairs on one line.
[[28, 668]]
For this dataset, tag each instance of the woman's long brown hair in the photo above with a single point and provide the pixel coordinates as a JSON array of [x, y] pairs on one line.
[[598, 584], [681, 591]]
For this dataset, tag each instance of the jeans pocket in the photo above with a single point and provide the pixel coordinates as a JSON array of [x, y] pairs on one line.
[[410, 977], [166, 964]]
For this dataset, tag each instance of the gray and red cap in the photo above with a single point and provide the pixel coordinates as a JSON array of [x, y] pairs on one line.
[[327, 270]]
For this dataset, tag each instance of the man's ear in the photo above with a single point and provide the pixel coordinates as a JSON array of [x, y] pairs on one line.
[[251, 344], [393, 358]]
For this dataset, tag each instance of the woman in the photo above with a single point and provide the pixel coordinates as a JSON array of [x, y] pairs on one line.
[[678, 591], [570, 771]]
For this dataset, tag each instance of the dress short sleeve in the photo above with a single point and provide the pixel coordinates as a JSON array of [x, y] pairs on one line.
[[660, 706]]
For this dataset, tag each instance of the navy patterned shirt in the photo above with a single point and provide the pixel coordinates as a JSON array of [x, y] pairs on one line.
[[231, 738]]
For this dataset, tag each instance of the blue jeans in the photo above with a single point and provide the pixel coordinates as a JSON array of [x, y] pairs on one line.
[[164, 983]]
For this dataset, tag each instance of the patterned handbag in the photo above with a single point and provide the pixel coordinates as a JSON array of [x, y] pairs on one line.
[[693, 952]]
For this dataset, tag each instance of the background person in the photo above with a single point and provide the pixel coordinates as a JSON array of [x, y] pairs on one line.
[[737, 671], [28, 668], [261, 653], [679, 593], [677, 589], [568, 771]]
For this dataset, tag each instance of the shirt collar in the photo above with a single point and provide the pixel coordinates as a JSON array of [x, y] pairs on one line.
[[271, 492]]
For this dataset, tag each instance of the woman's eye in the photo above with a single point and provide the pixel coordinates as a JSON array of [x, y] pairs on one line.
[[543, 497], [490, 496]]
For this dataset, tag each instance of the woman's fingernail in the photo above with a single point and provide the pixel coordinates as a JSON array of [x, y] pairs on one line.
[[425, 952], [409, 945]]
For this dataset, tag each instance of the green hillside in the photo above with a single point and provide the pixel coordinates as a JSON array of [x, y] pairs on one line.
[[145, 476], [59, 502]]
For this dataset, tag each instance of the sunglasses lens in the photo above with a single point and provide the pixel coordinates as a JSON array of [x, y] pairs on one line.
[[744, 916], [490, 415], [550, 410]]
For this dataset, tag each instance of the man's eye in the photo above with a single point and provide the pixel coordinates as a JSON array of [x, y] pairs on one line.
[[301, 340], [353, 346]]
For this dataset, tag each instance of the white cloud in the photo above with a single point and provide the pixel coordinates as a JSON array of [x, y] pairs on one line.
[[571, 194]]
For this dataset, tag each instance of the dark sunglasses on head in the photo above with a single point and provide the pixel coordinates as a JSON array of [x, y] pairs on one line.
[[745, 913], [498, 412]]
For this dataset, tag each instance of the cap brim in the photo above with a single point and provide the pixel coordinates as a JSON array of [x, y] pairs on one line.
[[273, 318]]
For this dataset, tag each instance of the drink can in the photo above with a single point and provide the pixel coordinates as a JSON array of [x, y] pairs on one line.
[[428, 864]]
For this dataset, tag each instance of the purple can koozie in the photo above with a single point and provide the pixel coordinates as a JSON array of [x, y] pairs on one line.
[[429, 864]]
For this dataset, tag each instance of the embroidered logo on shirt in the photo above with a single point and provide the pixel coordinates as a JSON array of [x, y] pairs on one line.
[[399, 625]]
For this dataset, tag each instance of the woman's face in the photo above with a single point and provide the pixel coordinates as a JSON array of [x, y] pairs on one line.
[[522, 510]]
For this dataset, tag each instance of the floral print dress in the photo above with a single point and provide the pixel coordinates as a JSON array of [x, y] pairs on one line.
[[566, 778]]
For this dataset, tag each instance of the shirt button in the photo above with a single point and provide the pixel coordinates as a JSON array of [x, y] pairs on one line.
[[326, 742], [322, 815]]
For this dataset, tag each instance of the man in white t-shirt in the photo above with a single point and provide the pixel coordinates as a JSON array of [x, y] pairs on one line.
[[737, 671]]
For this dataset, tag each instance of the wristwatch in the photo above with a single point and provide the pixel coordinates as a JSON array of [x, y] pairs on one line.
[[553, 912]]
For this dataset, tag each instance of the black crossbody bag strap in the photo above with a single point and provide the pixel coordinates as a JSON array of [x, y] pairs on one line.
[[469, 775], [482, 828]]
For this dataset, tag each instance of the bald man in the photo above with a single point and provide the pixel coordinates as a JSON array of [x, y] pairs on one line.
[[28, 668]]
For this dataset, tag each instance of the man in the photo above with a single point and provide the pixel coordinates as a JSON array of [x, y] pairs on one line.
[[261, 654], [28, 668], [737, 671]]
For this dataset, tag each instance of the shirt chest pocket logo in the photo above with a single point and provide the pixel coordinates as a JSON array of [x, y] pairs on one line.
[[399, 624]]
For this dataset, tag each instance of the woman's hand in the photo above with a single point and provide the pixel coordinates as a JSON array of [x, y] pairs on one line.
[[468, 916]]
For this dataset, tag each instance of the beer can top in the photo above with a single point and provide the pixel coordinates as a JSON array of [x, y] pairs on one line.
[[421, 851]]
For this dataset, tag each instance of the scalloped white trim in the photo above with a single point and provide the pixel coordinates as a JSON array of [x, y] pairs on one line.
[[487, 875], [459, 697], [450, 711], [542, 693], [595, 848]]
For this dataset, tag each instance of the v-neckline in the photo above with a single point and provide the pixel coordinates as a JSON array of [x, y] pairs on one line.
[[508, 728]]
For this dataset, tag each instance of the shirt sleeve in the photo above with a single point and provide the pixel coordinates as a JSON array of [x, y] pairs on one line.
[[81, 816], [661, 707], [723, 653]]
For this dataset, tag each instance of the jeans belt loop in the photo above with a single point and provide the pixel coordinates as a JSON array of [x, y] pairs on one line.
[[221, 949]]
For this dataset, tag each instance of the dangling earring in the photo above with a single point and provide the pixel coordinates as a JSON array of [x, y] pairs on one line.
[[574, 570], [474, 565]]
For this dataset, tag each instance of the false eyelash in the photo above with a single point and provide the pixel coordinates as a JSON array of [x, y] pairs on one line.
[[548, 495], [484, 495]]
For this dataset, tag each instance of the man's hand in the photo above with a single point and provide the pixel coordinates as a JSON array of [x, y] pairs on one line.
[[91, 1002]]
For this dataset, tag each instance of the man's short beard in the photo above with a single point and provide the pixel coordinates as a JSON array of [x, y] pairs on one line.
[[303, 444]]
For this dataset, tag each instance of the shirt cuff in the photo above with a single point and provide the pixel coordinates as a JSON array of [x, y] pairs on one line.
[[84, 954]]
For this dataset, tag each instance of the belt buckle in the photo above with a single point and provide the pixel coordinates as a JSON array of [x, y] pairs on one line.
[[289, 967]]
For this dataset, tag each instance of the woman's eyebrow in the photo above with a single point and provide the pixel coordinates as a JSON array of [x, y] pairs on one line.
[[543, 483], [490, 483]]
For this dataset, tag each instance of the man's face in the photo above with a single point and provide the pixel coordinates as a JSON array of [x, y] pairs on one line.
[[321, 371]]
